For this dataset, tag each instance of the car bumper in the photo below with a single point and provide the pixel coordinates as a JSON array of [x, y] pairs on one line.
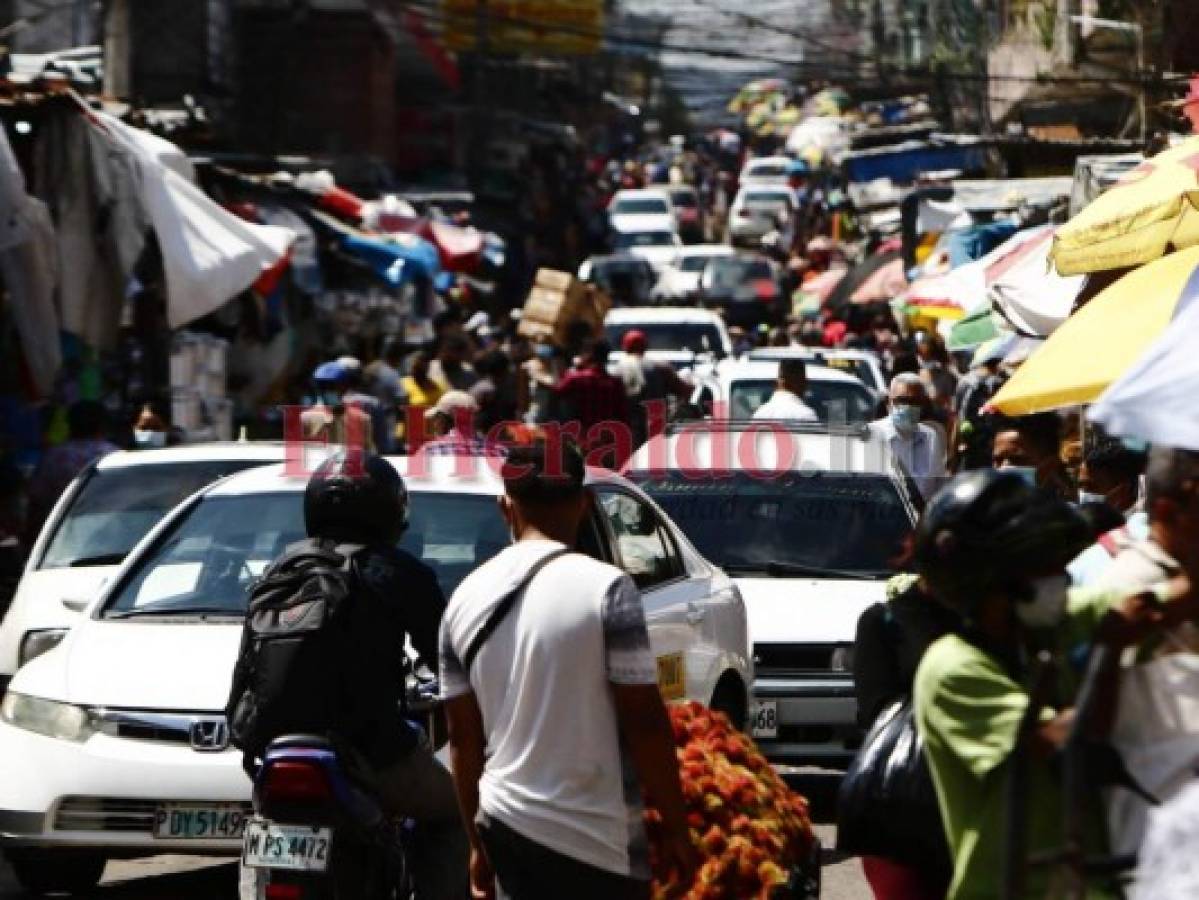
[[817, 720], [103, 792]]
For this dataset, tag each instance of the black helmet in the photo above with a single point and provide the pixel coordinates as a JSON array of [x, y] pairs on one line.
[[355, 497], [988, 528]]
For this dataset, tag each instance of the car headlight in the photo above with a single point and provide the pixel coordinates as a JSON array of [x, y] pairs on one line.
[[35, 643], [842, 659], [48, 717]]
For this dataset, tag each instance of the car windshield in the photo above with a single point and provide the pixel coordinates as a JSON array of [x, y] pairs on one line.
[[728, 273], [697, 337], [641, 206], [685, 199], [207, 564], [767, 169], [767, 198], [826, 398], [853, 523], [693, 263], [117, 507], [625, 240]]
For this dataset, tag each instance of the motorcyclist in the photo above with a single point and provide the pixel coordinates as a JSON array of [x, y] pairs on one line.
[[355, 498], [994, 549]]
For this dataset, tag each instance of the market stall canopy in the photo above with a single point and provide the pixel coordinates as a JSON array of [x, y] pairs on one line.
[[1102, 341], [1155, 399], [396, 258], [1026, 290], [822, 285], [883, 285], [859, 274], [1149, 210], [976, 329]]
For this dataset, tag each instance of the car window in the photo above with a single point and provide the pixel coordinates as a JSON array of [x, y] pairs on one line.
[[625, 240], [639, 206], [117, 507], [767, 170], [685, 199], [766, 198], [850, 522], [841, 401], [693, 263], [645, 549]]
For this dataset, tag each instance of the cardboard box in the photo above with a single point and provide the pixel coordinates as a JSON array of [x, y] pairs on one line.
[[557, 300]]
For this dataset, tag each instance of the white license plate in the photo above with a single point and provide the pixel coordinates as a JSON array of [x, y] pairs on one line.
[[194, 821], [299, 847], [764, 720]]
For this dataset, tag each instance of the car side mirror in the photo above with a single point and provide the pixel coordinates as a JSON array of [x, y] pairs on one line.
[[76, 604]]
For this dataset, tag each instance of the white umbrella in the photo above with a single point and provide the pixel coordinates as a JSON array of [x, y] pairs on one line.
[[1155, 399], [1028, 292]]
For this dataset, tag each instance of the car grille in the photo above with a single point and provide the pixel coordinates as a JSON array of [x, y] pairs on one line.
[[794, 657], [109, 814]]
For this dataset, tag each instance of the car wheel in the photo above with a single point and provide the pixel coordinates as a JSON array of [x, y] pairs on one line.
[[56, 871], [729, 698]]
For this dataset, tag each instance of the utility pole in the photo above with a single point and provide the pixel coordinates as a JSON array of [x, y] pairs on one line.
[[118, 49]]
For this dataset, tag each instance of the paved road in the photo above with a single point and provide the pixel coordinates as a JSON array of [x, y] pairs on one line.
[[207, 878]]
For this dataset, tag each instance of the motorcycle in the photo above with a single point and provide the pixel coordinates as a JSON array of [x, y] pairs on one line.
[[317, 832]]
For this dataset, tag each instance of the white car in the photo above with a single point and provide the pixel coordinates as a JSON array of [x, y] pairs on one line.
[[735, 388], [104, 512], [671, 330], [658, 246], [808, 520], [115, 742], [765, 170], [647, 209], [862, 364], [680, 280], [759, 209]]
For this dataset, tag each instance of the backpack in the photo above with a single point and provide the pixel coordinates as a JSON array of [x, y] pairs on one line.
[[296, 637]]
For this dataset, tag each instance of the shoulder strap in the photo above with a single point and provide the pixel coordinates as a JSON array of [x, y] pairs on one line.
[[503, 608]]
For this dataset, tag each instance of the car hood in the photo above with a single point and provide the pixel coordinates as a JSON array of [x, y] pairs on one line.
[[38, 603], [806, 610], [658, 257], [184, 666]]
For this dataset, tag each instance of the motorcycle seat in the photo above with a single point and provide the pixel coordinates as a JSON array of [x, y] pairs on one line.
[[305, 741]]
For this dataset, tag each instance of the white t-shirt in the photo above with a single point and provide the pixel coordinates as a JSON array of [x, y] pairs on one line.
[[784, 405], [555, 771]]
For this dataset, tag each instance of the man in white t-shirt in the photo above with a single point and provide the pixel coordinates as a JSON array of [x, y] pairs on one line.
[[556, 723], [786, 403]]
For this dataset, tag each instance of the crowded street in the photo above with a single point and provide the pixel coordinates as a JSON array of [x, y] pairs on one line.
[[669, 451]]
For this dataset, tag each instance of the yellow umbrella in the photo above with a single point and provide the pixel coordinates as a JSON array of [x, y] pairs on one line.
[[1151, 208], [1101, 341]]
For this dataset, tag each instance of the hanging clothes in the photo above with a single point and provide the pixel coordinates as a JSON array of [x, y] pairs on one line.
[[30, 271]]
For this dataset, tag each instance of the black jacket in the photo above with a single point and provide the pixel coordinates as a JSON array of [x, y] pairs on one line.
[[400, 598]]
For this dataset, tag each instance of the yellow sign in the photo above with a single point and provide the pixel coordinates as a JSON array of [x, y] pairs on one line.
[[556, 27], [672, 677]]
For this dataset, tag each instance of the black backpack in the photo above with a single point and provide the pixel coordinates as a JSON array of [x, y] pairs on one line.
[[296, 637]]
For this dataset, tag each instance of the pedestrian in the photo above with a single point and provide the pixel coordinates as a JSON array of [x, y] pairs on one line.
[[890, 641], [786, 403], [1033, 444], [915, 446], [331, 418], [648, 382], [450, 368], [493, 392], [87, 426], [1110, 475], [993, 549], [556, 722], [421, 391], [541, 372], [592, 395], [936, 368], [453, 422], [356, 397], [386, 386]]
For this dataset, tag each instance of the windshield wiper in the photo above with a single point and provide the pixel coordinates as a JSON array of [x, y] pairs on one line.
[[792, 570], [174, 611], [100, 559]]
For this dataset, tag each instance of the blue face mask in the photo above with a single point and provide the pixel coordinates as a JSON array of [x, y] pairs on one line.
[[905, 418]]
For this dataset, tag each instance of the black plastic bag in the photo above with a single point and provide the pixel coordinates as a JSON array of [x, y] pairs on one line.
[[887, 806]]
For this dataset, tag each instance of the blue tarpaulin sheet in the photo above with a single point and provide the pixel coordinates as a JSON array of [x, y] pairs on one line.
[[395, 263], [903, 164]]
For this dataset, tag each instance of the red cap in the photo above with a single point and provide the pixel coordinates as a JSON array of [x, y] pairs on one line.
[[634, 341]]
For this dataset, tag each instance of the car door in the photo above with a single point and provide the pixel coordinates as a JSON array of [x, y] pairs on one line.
[[643, 546]]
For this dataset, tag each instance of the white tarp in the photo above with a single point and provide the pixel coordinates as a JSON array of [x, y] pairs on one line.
[[1029, 292], [1155, 399]]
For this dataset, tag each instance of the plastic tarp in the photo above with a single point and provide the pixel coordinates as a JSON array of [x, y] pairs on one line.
[[397, 259], [1029, 293], [905, 162]]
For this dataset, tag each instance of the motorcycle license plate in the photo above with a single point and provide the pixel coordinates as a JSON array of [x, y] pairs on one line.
[[298, 847]]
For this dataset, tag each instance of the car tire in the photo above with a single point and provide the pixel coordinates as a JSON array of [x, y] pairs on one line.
[[57, 871], [730, 699]]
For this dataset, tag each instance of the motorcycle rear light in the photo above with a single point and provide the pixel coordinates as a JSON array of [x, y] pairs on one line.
[[284, 892], [295, 782]]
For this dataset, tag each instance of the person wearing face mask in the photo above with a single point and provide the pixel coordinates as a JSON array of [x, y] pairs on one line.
[[993, 549], [913, 445], [1032, 444], [1110, 475]]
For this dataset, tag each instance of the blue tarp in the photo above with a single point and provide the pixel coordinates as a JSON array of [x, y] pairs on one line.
[[903, 163], [395, 263], [969, 244]]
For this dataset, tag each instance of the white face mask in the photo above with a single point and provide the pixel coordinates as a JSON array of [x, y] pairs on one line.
[[1047, 605]]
